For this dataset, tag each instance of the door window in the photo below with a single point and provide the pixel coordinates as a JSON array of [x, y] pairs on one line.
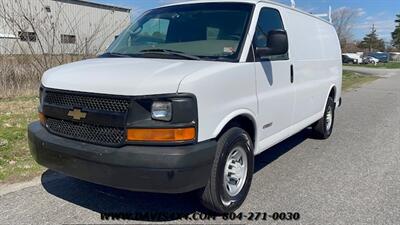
[[270, 19]]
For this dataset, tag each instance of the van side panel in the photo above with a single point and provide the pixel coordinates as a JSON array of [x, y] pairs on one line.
[[316, 56]]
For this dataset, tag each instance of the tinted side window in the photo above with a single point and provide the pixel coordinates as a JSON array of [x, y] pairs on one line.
[[270, 19]]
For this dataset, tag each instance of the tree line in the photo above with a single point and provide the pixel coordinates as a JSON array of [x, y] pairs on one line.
[[344, 19]]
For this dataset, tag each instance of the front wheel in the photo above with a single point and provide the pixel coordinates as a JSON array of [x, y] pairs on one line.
[[324, 127], [231, 174]]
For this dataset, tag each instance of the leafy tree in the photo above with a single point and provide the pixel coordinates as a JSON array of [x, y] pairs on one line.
[[396, 33], [372, 42]]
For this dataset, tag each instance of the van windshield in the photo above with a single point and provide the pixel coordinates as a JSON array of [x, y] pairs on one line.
[[206, 31]]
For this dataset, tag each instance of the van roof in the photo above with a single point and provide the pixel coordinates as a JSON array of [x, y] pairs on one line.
[[251, 2]]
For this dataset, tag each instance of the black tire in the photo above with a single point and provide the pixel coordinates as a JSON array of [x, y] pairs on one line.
[[213, 194], [320, 128]]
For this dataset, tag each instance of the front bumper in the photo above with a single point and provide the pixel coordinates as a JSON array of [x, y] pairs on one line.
[[162, 169]]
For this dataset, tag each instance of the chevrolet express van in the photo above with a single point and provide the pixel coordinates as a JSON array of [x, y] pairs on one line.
[[187, 96]]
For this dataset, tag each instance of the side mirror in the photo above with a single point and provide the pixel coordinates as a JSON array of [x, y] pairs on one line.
[[277, 44]]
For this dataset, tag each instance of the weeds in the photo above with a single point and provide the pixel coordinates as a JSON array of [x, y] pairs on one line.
[[16, 162], [20, 75]]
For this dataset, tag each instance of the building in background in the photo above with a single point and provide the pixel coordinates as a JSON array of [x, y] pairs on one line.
[[395, 56], [59, 26]]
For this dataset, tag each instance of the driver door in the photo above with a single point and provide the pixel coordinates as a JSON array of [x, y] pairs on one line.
[[275, 90]]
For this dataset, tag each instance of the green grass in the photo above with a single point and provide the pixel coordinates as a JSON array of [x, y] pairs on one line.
[[16, 163], [354, 80], [390, 65]]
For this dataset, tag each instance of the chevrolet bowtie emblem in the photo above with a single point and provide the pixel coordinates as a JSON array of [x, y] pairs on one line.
[[77, 114]]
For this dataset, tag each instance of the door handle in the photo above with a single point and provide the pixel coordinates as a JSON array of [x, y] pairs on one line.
[[291, 74]]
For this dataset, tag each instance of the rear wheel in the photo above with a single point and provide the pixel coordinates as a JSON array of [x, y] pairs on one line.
[[323, 128], [231, 174]]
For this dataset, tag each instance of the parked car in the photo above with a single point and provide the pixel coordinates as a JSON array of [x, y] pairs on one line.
[[356, 57], [347, 60], [381, 56], [370, 60], [187, 96]]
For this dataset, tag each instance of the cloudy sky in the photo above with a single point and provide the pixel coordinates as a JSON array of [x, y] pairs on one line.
[[382, 13]]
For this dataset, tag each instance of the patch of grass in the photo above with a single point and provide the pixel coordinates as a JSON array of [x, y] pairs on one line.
[[353, 79], [389, 65], [16, 162]]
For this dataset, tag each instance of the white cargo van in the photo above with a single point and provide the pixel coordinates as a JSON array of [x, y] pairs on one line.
[[187, 96]]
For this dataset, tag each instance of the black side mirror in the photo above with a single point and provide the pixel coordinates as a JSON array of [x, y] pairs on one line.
[[277, 44]]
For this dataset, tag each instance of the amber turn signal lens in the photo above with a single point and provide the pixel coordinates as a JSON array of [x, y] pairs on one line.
[[42, 118], [162, 135]]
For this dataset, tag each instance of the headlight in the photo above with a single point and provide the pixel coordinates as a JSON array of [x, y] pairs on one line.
[[163, 119], [161, 111]]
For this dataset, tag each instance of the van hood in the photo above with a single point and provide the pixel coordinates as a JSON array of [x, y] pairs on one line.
[[122, 76]]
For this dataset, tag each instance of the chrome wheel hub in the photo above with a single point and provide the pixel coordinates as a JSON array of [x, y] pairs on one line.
[[235, 171]]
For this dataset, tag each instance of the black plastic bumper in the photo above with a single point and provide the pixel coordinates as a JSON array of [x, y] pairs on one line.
[[163, 169]]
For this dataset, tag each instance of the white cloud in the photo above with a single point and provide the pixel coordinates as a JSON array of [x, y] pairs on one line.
[[381, 14], [360, 12]]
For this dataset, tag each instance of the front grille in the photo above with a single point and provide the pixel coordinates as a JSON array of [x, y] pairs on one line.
[[87, 102], [87, 133]]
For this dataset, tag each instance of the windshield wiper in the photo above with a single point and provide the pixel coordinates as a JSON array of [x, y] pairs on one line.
[[115, 55], [170, 52]]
